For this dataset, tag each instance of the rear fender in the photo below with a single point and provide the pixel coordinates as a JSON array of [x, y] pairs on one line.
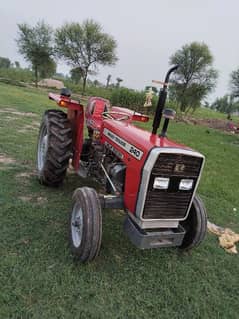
[[75, 114], [64, 101]]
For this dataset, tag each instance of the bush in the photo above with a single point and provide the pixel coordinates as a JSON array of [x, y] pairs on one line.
[[92, 90], [19, 75], [128, 98]]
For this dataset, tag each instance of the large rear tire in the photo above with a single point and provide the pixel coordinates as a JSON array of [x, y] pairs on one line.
[[54, 148], [85, 229], [195, 225]]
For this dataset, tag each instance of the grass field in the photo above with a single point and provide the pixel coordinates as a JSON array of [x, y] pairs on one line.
[[40, 279]]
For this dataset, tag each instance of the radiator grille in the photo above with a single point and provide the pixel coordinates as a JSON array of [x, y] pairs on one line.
[[168, 163], [171, 203]]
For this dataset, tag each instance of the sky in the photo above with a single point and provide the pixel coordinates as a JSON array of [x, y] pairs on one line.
[[147, 32]]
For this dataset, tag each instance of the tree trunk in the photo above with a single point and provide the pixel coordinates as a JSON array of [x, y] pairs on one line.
[[36, 76], [84, 82]]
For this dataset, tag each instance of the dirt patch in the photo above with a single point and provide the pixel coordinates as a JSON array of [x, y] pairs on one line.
[[218, 124], [41, 200], [25, 199], [38, 200], [25, 175], [10, 118], [24, 178], [29, 127], [4, 159], [16, 112]]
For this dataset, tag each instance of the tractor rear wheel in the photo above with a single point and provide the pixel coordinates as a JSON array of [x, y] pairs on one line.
[[54, 147], [85, 224], [195, 225]]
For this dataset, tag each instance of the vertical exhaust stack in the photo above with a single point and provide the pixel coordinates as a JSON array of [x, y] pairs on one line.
[[161, 101]]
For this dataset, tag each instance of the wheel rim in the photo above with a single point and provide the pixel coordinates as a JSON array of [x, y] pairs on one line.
[[76, 225], [42, 148]]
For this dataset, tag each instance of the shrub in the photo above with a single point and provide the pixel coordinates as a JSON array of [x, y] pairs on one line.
[[128, 98], [19, 75]]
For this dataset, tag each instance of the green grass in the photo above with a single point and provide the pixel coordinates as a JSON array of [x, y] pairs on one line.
[[206, 113], [40, 279]]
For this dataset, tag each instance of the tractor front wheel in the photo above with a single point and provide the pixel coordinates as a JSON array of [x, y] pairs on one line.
[[54, 147], [85, 224], [195, 225]]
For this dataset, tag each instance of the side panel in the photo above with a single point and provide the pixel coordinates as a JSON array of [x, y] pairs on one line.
[[133, 155]]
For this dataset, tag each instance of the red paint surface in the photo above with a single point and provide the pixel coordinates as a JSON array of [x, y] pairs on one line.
[[69, 103], [142, 140]]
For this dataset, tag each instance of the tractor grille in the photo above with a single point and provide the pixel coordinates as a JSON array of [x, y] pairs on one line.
[[171, 203]]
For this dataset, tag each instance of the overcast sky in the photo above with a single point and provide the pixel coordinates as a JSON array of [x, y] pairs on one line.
[[147, 32]]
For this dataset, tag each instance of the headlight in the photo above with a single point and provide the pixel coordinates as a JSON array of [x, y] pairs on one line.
[[186, 184], [161, 183]]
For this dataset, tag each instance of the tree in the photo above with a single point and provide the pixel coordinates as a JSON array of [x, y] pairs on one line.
[[108, 80], [17, 65], [225, 104], [5, 63], [234, 83], [85, 46], [47, 68], [76, 74], [118, 81], [154, 89], [195, 77], [35, 44]]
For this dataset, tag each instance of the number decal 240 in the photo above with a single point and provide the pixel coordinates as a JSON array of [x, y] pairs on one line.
[[134, 151]]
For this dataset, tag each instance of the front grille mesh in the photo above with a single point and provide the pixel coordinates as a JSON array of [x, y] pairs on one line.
[[171, 203], [166, 164]]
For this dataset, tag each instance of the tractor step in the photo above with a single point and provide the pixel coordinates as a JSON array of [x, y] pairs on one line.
[[145, 239], [111, 201]]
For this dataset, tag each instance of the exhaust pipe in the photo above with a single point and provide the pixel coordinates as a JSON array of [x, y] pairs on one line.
[[161, 101]]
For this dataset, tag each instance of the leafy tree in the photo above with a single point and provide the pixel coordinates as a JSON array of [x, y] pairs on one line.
[[76, 74], [118, 81], [225, 104], [5, 63], [47, 68], [17, 65], [35, 44], [234, 83], [85, 46], [195, 77], [154, 89], [96, 83]]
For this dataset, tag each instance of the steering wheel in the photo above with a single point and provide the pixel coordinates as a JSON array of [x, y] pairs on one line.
[[114, 116]]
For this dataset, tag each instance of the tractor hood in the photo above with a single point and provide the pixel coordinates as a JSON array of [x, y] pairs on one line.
[[125, 135], [133, 147]]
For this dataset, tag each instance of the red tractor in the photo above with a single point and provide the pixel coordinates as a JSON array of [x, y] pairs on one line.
[[152, 178]]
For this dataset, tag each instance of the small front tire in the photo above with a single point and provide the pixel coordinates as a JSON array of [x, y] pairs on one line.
[[195, 225], [85, 224]]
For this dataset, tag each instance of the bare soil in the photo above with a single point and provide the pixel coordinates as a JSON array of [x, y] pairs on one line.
[[25, 175], [13, 111], [218, 124], [4, 159], [29, 127], [29, 198], [25, 198]]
